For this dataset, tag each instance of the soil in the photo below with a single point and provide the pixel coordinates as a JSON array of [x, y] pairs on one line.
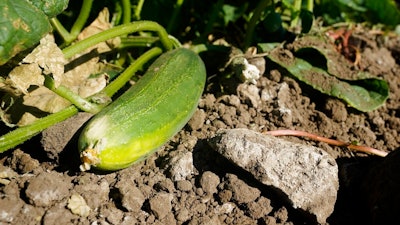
[[187, 182]]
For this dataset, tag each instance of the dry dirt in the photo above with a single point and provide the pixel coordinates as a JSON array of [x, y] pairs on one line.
[[187, 182]]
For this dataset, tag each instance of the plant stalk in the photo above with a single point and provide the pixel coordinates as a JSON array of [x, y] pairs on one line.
[[118, 31], [257, 13], [315, 137], [22, 134], [71, 96]]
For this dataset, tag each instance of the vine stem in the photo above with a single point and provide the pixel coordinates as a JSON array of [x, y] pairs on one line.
[[22, 134], [258, 11], [79, 23], [71, 96], [121, 80], [118, 31], [315, 137]]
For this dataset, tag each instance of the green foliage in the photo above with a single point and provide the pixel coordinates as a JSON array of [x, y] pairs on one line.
[[375, 11], [50, 7], [325, 70], [22, 26]]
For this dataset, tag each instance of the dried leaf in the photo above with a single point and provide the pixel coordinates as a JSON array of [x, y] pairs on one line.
[[49, 57], [28, 99], [23, 76]]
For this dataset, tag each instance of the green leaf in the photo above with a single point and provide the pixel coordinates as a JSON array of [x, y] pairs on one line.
[[22, 26], [363, 94], [50, 7], [232, 13], [384, 11]]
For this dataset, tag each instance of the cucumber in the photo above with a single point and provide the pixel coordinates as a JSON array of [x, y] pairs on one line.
[[147, 115]]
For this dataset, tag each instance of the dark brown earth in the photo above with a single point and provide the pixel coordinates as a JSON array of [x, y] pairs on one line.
[[187, 182]]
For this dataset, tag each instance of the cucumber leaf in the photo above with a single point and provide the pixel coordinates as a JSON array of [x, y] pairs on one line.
[[384, 11], [22, 26], [50, 7], [364, 94]]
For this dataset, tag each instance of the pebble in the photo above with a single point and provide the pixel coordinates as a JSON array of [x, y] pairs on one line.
[[184, 185], [161, 205], [307, 175], [209, 182], [47, 188], [132, 198], [181, 166]]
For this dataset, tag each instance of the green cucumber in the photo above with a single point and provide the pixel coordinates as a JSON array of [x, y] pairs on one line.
[[147, 115]]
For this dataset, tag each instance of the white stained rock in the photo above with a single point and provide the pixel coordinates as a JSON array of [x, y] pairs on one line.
[[306, 175], [78, 206]]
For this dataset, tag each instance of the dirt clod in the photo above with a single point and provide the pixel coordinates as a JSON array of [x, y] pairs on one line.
[[209, 182], [47, 189], [160, 204]]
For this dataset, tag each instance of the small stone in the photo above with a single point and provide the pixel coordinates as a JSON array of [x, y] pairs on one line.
[[47, 188], [241, 192], [22, 162], [184, 185], [58, 214], [78, 206], [132, 198], [181, 166], [160, 204], [260, 208], [307, 175], [225, 196], [209, 182], [112, 215], [183, 215], [10, 206], [198, 119], [94, 190], [249, 94]]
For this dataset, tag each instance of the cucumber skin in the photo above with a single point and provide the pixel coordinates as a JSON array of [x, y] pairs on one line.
[[147, 115]]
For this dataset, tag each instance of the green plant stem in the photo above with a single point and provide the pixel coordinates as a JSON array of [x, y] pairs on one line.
[[315, 137], [310, 5], [82, 18], [124, 77], [118, 31], [56, 24], [22, 134], [257, 13], [126, 11], [79, 23], [71, 96], [138, 10], [296, 13], [137, 41], [175, 13]]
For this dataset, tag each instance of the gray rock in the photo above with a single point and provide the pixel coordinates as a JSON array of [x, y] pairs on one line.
[[47, 188], [306, 175], [181, 166]]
